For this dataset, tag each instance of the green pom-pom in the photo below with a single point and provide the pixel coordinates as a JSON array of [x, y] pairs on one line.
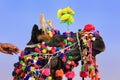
[[25, 57], [72, 67], [90, 68], [70, 57], [35, 54], [23, 68], [21, 62], [47, 41], [65, 41], [82, 68], [69, 43]]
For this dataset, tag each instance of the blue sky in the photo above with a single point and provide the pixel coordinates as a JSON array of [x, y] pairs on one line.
[[17, 18]]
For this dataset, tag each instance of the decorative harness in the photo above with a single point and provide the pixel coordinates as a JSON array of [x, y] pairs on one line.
[[31, 61]]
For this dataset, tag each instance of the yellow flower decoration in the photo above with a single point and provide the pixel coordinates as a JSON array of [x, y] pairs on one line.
[[70, 11], [71, 19], [66, 15], [60, 12]]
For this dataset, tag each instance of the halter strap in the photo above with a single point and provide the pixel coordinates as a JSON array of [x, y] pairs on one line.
[[31, 46]]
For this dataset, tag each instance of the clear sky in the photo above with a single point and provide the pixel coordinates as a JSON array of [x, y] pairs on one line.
[[17, 18]]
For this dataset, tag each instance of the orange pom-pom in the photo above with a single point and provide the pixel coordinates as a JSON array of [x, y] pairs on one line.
[[59, 73]]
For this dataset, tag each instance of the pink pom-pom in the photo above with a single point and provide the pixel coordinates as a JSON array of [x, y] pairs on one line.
[[83, 74], [46, 72], [36, 66], [72, 62], [37, 50], [70, 74], [67, 67], [43, 46]]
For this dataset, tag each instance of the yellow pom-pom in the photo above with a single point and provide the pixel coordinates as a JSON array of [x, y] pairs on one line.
[[85, 41], [69, 62], [29, 57], [32, 78], [49, 78], [50, 34], [39, 46], [91, 35], [36, 58], [44, 51], [33, 69]]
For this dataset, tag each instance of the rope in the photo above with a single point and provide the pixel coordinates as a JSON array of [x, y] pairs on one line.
[[78, 40]]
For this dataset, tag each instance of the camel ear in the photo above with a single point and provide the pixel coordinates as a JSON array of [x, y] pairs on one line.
[[98, 45], [34, 31], [35, 28]]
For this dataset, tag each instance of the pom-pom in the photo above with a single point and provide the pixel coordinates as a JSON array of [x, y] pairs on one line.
[[89, 27], [59, 73], [18, 71], [49, 77], [83, 74], [67, 67], [46, 72], [27, 77], [90, 68], [43, 46], [63, 59], [69, 62], [23, 68], [44, 51], [41, 78], [53, 50], [70, 57], [37, 50], [22, 53], [70, 74]]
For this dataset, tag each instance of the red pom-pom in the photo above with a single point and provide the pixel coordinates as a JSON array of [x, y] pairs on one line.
[[41, 58], [70, 74], [18, 71], [71, 39], [53, 50], [14, 78], [41, 78], [63, 59], [89, 27], [23, 74], [83, 74], [22, 53]]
